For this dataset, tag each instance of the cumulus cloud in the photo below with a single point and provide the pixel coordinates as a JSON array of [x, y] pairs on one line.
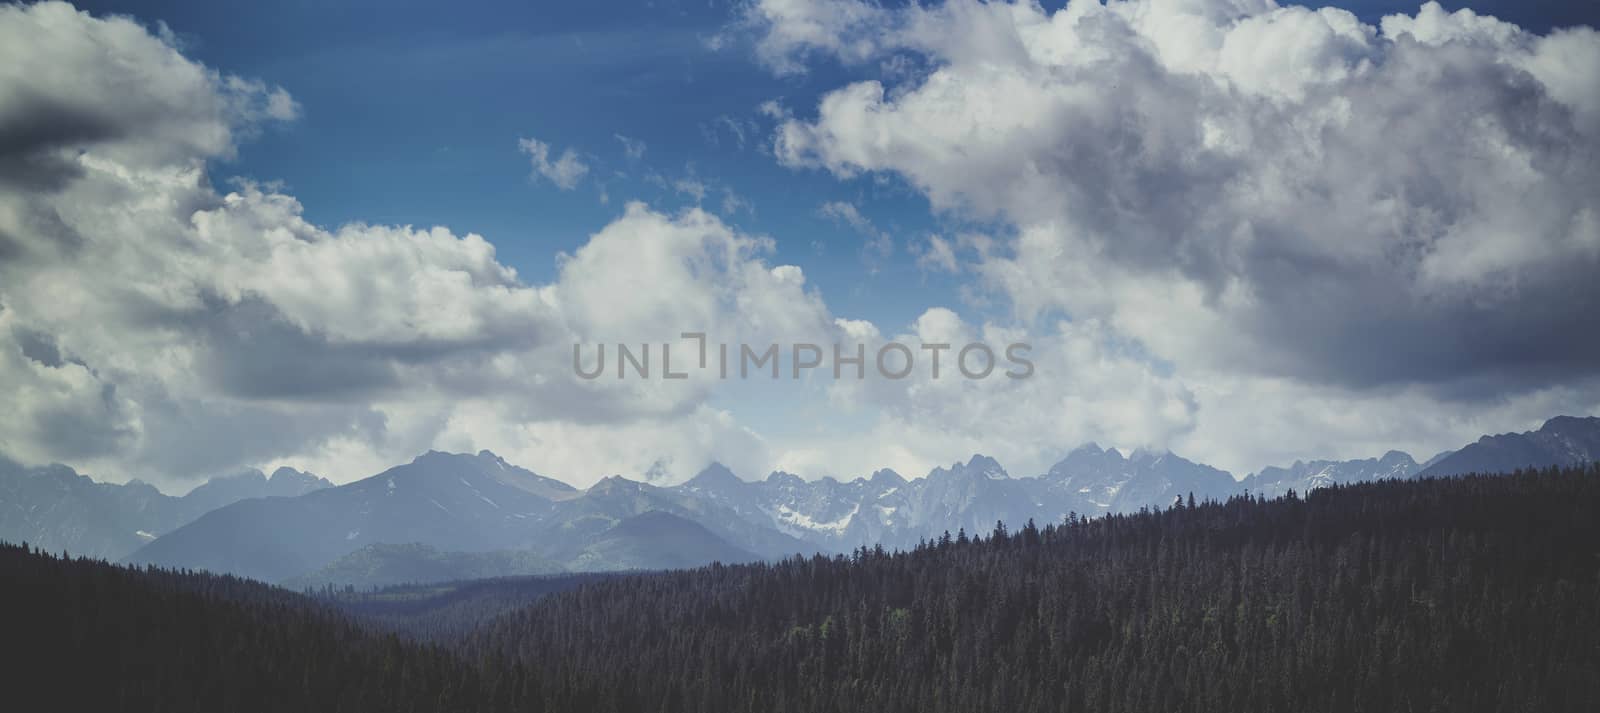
[[1311, 196], [155, 105], [792, 30], [1273, 202], [152, 325], [1327, 257], [565, 171], [1083, 385]]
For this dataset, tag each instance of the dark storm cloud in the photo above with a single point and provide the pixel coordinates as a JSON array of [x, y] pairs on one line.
[[189, 439], [76, 433], [37, 134], [39, 346], [249, 350]]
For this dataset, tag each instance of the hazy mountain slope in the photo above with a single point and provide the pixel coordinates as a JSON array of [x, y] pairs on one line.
[[826, 514], [1305, 476], [1093, 481], [889, 510], [883, 509], [1563, 440], [969, 496], [480, 503], [615, 499], [383, 565], [656, 540], [56, 508], [225, 490], [452, 503], [469, 503]]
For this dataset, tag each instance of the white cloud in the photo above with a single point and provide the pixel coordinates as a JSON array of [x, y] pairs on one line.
[[737, 129], [697, 189], [1085, 386], [1278, 205], [565, 172], [632, 148], [791, 29], [878, 242], [1145, 157], [936, 255], [152, 326]]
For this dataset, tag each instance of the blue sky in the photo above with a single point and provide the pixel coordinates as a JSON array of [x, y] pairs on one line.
[[1242, 233], [412, 113]]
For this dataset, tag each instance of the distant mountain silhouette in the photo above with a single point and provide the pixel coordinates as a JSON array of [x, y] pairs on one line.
[[1563, 440], [453, 503], [479, 504], [55, 508], [656, 540]]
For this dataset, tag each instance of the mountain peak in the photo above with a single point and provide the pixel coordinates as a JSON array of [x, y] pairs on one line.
[[297, 480], [248, 474], [614, 484], [979, 465], [716, 474], [432, 455], [439, 457], [980, 460], [1090, 448], [1397, 457], [1563, 440], [1089, 457], [144, 487], [1150, 455], [287, 473], [1570, 424], [785, 478], [886, 477]]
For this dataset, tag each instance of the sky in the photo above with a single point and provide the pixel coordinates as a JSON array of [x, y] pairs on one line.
[[334, 235]]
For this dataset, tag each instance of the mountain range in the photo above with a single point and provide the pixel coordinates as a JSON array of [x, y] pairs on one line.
[[56, 508], [448, 515], [464, 503]]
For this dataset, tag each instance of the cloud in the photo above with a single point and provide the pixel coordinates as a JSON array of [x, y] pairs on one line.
[[152, 325], [879, 242], [565, 172], [696, 189], [1412, 203], [1330, 258], [1085, 385], [633, 149], [790, 31], [154, 105], [1298, 215], [936, 255]]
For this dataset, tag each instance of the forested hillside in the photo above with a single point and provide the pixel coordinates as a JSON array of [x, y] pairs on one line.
[[83, 635], [1475, 593], [1463, 594], [447, 611]]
